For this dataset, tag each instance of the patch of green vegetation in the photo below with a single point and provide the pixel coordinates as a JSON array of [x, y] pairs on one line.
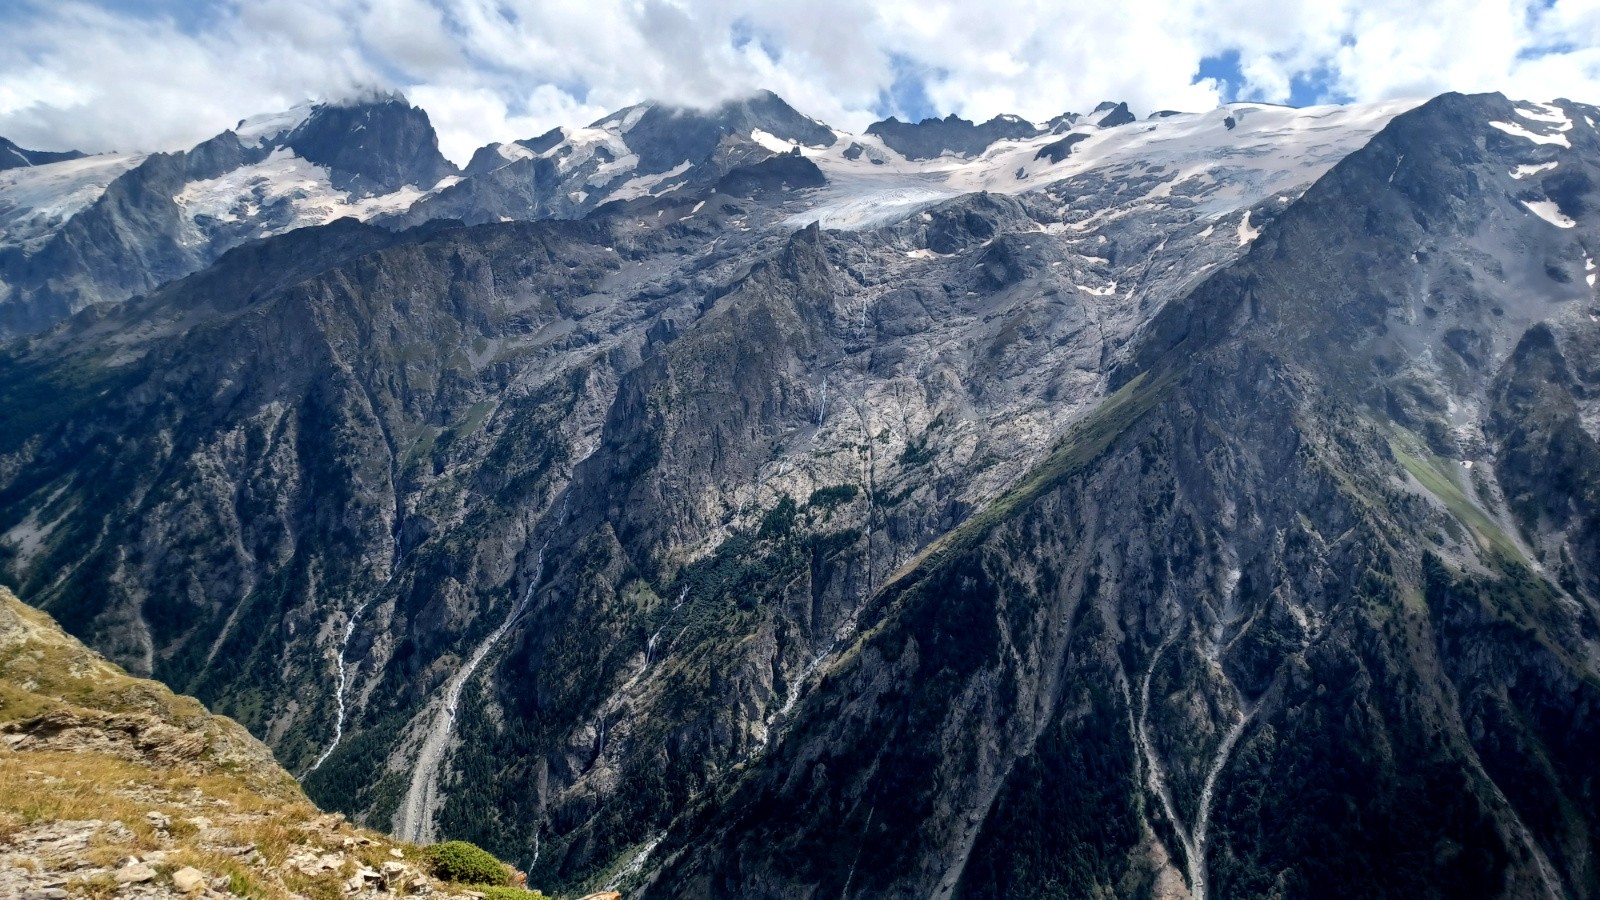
[[1518, 600], [639, 595], [421, 448], [888, 499], [1438, 476], [465, 863], [779, 520], [473, 420], [506, 892], [241, 884], [37, 396], [415, 352], [1066, 821], [386, 796], [344, 782], [833, 496], [1499, 633], [917, 452], [1082, 445]]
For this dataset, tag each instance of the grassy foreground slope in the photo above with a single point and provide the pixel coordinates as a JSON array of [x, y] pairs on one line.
[[114, 786]]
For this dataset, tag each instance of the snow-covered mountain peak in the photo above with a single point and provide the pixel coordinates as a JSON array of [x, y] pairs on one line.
[[379, 160], [625, 118], [642, 150], [267, 128], [176, 212]]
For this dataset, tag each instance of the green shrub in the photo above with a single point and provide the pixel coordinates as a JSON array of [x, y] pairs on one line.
[[510, 893], [465, 863], [917, 452], [779, 520], [833, 495]]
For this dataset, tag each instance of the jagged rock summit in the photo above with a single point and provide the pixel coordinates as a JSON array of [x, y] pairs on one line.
[[370, 146], [932, 138], [14, 157], [638, 152]]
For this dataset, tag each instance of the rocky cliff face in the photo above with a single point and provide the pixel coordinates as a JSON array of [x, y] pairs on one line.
[[1174, 521], [1318, 661]]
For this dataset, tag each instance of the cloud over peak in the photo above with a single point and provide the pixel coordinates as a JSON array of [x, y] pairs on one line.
[[162, 74]]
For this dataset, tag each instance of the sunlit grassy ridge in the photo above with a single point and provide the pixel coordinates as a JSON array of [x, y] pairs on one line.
[[87, 749]]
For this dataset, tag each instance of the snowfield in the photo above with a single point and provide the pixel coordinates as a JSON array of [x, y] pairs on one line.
[[37, 200], [1223, 162], [1268, 150], [286, 182]]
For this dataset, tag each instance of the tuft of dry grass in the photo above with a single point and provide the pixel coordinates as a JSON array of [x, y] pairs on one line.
[[94, 887]]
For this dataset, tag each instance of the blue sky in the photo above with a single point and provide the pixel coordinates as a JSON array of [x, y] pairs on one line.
[[164, 74], [1307, 88]]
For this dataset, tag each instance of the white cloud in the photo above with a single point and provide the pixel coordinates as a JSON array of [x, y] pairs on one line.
[[463, 115], [74, 75], [77, 74]]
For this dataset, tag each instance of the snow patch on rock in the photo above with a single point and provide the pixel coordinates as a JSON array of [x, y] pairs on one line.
[[1516, 130], [1246, 233], [1549, 212], [1521, 172]]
